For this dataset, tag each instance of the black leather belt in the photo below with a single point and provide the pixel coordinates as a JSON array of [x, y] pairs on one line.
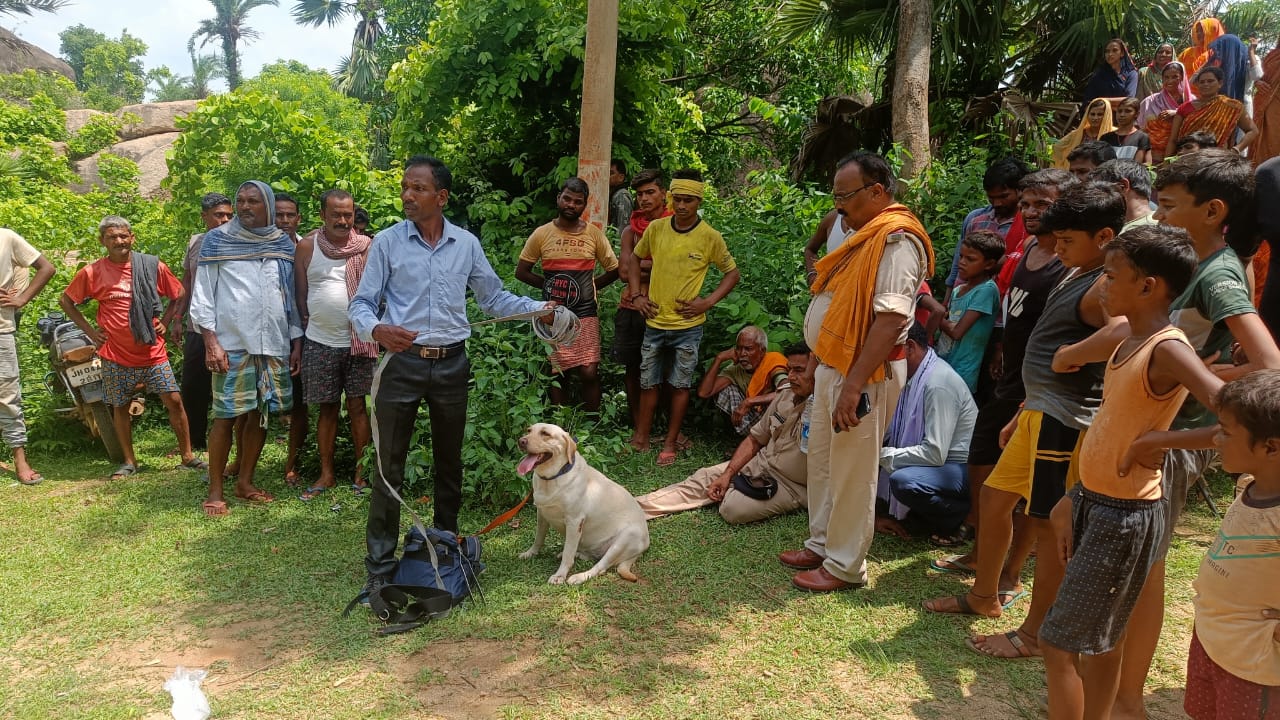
[[437, 353]]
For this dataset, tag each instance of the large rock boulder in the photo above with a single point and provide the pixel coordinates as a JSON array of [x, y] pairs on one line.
[[17, 55], [77, 119], [148, 152], [156, 118]]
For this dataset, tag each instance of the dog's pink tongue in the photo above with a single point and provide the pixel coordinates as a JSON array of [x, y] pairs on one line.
[[527, 464]]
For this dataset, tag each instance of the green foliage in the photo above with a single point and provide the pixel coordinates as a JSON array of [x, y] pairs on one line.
[[19, 87], [99, 132], [248, 135], [108, 71], [42, 161], [39, 117], [311, 91]]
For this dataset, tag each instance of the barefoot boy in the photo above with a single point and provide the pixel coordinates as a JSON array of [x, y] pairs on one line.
[[1041, 442], [1110, 527], [1233, 670]]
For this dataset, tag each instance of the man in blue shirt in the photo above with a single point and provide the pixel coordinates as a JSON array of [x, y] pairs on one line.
[[413, 301]]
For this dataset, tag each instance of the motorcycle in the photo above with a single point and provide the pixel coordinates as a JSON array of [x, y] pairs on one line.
[[77, 374]]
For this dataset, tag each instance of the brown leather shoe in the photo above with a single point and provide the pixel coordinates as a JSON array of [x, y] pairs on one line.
[[802, 559], [820, 581]]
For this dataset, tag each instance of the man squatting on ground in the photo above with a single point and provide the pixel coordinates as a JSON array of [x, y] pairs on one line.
[[244, 306], [745, 378], [412, 301]]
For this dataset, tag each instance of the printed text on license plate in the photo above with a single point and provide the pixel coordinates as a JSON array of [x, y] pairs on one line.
[[84, 373]]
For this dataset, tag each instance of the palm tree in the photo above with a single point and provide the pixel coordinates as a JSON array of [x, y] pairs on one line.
[[29, 7], [359, 74], [228, 27], [203, 69]]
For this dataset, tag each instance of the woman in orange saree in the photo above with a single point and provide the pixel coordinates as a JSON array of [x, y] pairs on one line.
[[1202, 33], [1212, 112]]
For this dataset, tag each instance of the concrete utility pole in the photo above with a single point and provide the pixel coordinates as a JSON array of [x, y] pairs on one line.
[[595, 139]]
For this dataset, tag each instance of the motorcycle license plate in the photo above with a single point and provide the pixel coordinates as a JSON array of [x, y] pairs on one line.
[[84, 373]]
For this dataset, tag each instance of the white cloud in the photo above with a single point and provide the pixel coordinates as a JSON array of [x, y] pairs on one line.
[[166, 25]]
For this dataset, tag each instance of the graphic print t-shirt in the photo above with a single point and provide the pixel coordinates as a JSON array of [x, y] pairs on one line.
[[569, 263]]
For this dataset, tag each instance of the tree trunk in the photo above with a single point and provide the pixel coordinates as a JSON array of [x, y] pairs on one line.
[[911, 88], [232, 60]]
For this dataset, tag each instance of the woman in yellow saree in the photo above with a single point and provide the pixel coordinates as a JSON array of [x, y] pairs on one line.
[[1096, 123]]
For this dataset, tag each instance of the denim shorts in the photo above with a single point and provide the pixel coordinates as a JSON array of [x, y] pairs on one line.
[[669, 356]]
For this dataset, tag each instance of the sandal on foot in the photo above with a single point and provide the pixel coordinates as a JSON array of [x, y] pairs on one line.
[[214, 508], [962, 536], [962, 606], [194, 463], [1009, 597], [359, 490], [314, 492], [952, 564], [666, 457], [256, 496], [1016, 646], [124, 471], [34, 478]]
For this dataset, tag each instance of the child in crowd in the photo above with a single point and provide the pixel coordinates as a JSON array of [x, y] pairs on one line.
[[1233, 669], [1043, 439], [1203, 193], [968, 324], [1193, 142], [1110, 526], [1130, 142]]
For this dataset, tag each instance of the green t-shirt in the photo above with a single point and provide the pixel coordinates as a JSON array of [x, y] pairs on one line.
[[1218, 291]]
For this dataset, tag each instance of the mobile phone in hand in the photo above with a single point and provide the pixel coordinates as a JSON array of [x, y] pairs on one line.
[[864, 406]]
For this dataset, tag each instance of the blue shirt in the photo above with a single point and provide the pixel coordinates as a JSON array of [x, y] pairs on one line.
[[965, 355], [408, 283]]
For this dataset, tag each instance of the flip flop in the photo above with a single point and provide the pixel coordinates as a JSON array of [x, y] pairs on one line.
[[256, 496], [359, 490], [214, 508], [962, 606], [962, 536], [314, 492], [35, 479], [194, 463], [1012, 637], [1013, 595], [124, 471], [683, 443], [292, 478], [952, 564], [666, 457]]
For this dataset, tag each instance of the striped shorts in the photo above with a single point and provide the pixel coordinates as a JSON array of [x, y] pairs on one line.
[[252, 382]]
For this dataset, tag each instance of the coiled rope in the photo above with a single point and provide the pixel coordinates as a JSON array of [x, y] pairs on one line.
[[562, 331]]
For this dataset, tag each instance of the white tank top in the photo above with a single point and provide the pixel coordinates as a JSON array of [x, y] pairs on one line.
[[835, 238], [327, 301]]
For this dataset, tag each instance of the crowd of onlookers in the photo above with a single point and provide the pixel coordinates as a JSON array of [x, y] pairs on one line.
[[1098, 347]]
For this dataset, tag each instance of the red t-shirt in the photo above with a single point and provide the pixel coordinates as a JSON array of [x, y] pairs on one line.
[[112, 286]]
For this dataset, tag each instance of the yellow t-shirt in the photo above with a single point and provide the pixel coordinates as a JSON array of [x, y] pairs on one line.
[[680, 261], [569, 263]]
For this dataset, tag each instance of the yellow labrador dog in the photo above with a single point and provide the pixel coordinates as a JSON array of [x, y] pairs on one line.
[[600, 520]]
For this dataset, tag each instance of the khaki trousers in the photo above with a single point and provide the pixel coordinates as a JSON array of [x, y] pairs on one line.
[[736, 508], [844, 469], [13, 429]]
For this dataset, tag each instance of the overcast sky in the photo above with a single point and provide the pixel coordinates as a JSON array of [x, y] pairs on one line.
[[166, 25]]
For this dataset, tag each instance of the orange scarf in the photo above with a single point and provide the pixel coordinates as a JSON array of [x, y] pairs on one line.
[[768, 367], [1194, 57], [850, 274]]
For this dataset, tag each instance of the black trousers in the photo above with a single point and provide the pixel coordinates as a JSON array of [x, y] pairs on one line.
[[401, 383], [197, 390]]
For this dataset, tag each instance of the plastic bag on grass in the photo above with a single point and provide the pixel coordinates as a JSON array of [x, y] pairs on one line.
[[189, 702]]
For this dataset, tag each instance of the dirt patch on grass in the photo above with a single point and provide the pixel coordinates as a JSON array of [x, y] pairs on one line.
[[466, 679]]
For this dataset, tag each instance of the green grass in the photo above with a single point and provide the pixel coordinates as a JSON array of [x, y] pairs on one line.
[[106, 586]]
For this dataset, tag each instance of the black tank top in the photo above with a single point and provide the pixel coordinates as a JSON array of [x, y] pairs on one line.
[[1028, 291]]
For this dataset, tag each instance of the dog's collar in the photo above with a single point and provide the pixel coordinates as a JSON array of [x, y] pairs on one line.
[[567, 467]]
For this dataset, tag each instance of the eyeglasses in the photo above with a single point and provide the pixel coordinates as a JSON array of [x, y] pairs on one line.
[[838, 199]]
